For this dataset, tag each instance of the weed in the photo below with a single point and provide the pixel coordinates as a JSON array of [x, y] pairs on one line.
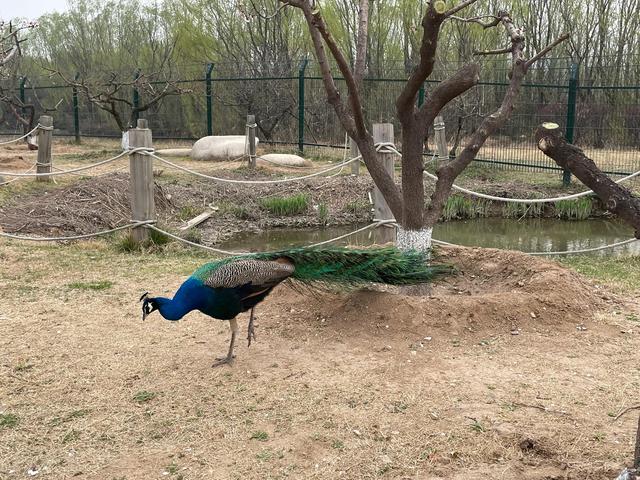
[[579, 209], [460, 207], [398, 407], [323, 214], [476, 426], [126, 243], [357, 207], [293, 205], [71, 436], [8, 420], [100, 285], [172, 468], [338, 444], [522, 210], [193, 235], [264, 456], [144, 396], [260, 435], [23, 367], [188, 212]]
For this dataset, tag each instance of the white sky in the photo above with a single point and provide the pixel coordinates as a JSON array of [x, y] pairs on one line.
[[30, 9]]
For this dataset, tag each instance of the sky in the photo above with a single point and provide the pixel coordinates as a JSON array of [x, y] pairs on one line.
[[30, 9]]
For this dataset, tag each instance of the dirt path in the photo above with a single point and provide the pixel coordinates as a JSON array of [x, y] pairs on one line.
[[372, 384]]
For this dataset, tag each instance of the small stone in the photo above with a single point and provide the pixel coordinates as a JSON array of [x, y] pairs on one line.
[[33, 471], [521, 283], [515, 332], [386, 348], [581, 328], [427, 339], [533, 315], [357, 433]]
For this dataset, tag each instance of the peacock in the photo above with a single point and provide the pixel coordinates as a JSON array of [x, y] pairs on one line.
[[225, 288]]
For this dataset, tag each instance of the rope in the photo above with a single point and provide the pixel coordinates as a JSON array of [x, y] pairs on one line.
[[251, 182], [142, 150], [37, 127], [16, 179], [389, 147], [565, 252], [227, 252], [78, 237]]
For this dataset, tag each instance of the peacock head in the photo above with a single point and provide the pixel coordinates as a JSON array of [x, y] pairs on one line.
[[148, 305]]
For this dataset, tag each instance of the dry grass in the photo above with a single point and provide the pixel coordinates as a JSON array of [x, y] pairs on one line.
[[334, 388]]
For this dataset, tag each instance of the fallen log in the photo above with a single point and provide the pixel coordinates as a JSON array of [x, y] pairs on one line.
[[616, 198]]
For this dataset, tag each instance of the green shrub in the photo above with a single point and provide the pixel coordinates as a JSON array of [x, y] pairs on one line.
[[286, 206], [579, 209]]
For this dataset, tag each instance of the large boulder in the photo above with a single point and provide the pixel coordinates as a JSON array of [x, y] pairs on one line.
[[174, 152], [218, 148], [285, 159]]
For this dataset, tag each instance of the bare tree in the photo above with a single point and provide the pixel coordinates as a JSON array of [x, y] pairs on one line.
[[407, 202], [11, 40], [111, 94]]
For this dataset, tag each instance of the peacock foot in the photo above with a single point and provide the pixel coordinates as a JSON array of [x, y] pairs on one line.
[[251, 334], [227, 360]]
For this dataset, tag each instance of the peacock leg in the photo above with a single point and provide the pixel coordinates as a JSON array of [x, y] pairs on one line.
[[233, 323], [251, 334]]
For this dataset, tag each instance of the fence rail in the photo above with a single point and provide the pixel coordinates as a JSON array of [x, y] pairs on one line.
[[141, 155], [291, 110]]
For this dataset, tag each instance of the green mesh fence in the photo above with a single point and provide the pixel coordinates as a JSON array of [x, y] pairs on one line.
[[598, 108]]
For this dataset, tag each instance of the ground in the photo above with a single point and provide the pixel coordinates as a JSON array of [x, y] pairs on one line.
[[514, 368]]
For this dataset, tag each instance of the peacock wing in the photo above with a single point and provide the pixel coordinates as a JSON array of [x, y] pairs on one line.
[[260, 274]]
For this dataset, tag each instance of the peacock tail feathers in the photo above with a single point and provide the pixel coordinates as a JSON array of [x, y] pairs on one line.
[[344, 266]]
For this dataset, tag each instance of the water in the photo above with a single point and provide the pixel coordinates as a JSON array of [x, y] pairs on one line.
[[527, 235]]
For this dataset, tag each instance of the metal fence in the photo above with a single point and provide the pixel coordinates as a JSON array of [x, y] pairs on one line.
[[293, 111]]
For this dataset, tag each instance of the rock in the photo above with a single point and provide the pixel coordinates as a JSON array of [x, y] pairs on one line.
[[285, 159], [218, 148], [174, 152]]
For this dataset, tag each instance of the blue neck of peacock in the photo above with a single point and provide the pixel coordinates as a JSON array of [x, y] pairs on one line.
[[188, 297], [172, 309]]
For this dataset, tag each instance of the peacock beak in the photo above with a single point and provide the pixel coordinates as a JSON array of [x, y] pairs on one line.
[[146, 308]]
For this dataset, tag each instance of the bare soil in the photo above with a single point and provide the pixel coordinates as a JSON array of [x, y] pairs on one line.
[[512, 369]]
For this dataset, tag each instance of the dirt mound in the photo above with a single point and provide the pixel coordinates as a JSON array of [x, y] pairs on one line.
[[494, 292], [89, 205]]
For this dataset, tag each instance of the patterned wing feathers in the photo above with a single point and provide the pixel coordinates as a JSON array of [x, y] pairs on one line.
[[267, 273]]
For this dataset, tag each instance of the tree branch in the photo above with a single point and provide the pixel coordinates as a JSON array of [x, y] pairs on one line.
[[450, 171], [616, 198]]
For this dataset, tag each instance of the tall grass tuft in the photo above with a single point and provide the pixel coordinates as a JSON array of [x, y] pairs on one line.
[[579, 209], [522, 210], [459, 207], [294, 205]]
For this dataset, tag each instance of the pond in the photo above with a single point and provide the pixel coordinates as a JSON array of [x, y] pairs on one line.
[[527, 235]]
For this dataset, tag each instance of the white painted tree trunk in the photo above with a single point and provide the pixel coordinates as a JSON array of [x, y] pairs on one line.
[[125, 141], [418, 240]]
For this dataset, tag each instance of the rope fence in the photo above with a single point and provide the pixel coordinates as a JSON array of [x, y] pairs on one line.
[[146, 153], [35, 129]]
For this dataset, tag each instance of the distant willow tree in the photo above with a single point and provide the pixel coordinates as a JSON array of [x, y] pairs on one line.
[[107, 49]]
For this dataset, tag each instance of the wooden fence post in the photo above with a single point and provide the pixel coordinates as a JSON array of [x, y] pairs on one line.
[[251, 133], [45, 137], [141, 186], [441, 139], [383, 133], [354, 152]]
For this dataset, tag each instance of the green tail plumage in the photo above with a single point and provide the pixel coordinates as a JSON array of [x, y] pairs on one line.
[[353, 267]]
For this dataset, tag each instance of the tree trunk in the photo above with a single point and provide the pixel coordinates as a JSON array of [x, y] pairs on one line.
[[616, 198]]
